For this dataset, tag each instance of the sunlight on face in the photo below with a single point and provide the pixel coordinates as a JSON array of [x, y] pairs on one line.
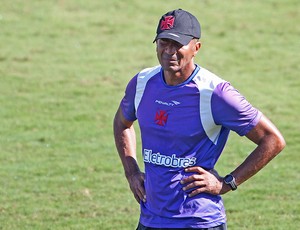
[[174, 56]]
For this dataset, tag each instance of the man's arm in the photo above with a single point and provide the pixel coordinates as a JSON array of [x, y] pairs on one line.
[[125, 141], [269, 142]]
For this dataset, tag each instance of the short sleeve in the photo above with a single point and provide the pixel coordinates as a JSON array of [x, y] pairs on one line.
[[231, 110], [127, 103]]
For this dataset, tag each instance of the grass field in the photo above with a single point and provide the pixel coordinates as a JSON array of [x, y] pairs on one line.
[[64, 66]]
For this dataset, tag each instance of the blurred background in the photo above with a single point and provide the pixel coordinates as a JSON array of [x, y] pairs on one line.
[[64, 66]]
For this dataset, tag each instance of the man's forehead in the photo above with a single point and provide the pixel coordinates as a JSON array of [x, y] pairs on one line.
[[169, 40]]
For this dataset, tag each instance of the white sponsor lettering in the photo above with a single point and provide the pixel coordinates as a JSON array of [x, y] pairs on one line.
[[172, 103], [169, 161], [176, 102]]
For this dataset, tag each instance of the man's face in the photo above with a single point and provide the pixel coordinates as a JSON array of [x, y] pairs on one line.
[[175, 57]]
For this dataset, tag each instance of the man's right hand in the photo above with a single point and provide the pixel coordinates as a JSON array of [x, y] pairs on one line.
[[136, 184]]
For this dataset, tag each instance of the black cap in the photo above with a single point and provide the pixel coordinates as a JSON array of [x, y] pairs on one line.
[[178, 25]]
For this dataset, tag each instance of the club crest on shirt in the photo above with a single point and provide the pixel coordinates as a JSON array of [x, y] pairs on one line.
[[161, 117]]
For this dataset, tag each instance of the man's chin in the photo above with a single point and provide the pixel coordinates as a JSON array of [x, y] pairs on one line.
[[171, 68]]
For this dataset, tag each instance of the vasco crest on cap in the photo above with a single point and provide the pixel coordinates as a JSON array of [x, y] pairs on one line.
[[178, 25], [167, 23]]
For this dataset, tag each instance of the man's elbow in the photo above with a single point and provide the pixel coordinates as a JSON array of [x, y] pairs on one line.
[[280, 143]]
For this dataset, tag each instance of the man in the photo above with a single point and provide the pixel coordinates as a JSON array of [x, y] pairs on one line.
[[185, 114]]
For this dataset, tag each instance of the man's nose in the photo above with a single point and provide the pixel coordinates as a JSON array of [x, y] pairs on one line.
[[170, 49]]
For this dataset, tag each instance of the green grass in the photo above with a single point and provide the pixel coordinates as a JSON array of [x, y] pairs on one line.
[[63, 68]]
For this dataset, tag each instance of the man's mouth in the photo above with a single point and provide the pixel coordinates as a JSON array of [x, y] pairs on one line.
[[170, 59]]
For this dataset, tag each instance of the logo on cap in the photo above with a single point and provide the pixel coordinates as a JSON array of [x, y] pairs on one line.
[[167, 23]]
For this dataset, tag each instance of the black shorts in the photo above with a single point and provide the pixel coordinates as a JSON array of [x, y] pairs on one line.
[[220, 227]]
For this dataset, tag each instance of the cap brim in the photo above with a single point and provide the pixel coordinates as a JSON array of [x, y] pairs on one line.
[[181, 38]]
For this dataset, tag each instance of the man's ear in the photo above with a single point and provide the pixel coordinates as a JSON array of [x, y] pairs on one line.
[[198, 45]]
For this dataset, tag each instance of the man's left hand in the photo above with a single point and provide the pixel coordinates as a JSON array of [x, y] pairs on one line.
[[203, 181]]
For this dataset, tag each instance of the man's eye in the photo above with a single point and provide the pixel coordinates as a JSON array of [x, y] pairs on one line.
[[177, 44]]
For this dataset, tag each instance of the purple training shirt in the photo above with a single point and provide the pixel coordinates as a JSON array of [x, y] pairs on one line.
[[181, 126]]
